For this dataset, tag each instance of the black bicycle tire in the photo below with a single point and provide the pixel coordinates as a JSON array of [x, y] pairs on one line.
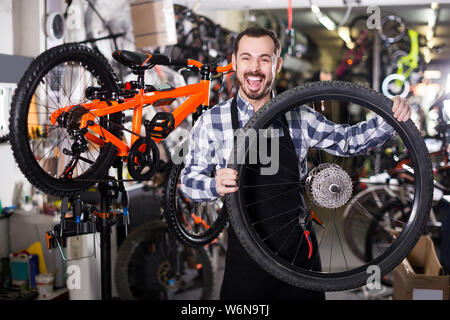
[[19, 110], [169, 211], [318, 90], [133, 240]]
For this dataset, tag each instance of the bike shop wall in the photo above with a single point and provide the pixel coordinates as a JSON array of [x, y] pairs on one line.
[[23, 37]]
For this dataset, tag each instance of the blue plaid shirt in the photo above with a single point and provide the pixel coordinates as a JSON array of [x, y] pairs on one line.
[[211, 142]]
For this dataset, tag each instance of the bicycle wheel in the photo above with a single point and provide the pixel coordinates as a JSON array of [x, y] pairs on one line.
[[194, 223], [327, 179], [392, 30], [370, 221], [152, 265], [56, 157], [356, 220]]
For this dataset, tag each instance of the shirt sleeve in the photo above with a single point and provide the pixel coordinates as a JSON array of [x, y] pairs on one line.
[[342, 139], [196, 181]]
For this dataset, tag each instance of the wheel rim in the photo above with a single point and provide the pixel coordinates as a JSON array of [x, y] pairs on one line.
[[296, 273], [198, 221], [64, 83]]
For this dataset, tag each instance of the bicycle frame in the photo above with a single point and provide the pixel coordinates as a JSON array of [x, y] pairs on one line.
[[411, 60], [198, 94]]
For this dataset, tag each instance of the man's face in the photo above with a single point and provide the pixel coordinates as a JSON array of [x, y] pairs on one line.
[[256, 65]]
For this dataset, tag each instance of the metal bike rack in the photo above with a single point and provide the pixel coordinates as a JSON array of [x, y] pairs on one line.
[[88, 219]]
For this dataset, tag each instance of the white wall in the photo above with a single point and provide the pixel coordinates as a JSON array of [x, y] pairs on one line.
[[28, 27], [6, 22]]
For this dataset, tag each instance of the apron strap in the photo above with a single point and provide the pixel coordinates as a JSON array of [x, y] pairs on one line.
[[234, 115]]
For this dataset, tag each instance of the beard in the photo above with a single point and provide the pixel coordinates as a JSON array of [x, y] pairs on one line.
[[255, 95]]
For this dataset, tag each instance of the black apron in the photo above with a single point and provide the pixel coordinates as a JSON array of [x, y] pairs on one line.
[[243, 278]]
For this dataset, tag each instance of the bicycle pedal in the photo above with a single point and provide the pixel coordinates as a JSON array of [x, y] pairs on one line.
[[162, 124]]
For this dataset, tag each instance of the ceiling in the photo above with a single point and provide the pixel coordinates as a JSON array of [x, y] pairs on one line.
[[279, 4], [415, 13], [416, 17]]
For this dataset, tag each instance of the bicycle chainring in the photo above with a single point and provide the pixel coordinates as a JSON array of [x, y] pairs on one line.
[[143, 160]]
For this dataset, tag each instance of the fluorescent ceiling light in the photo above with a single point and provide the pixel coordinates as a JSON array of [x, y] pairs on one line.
[[315, 9], [327, 23], [344, 33], [432, 74]]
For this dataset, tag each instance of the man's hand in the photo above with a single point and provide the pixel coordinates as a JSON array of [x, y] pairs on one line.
[[401, 108], [226, 181]]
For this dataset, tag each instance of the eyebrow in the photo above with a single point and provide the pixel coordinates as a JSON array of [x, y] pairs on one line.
[[262, 55]]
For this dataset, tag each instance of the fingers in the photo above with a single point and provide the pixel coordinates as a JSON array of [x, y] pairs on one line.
[[404, 114], [401, 109], [226, 181], [226, 171]]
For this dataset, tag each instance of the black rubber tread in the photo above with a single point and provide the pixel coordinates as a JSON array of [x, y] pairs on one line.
[[383, 106], [168, 205], [130, 244], [18, 117]]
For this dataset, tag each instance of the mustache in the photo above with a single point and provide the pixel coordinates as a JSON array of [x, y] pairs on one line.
[[254, 74]]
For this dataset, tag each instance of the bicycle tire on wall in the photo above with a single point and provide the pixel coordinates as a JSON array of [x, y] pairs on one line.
[[172, 216], [22, 98], [391, 258], [132, 242]]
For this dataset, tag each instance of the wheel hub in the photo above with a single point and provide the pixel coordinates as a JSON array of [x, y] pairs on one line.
[[166, 276], [329, 186], [74, 116]]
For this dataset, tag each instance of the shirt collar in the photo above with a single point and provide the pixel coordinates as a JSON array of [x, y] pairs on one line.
[[245, 106]]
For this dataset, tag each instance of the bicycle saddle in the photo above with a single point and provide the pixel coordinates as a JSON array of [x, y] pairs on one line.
[[137, 60]]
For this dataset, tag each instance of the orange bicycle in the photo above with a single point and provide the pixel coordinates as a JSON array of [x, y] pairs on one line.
[[67, 119]]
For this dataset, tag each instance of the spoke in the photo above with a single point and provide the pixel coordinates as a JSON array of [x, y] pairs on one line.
[[275, 196], [356, 172], [276, 216], [339, 238], [78, 80], [282, 227], [331, 250], [287, 238], [319, 244], [275, 184], [303, 146]]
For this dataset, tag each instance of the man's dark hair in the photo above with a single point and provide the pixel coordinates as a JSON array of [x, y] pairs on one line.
[[257, 32]]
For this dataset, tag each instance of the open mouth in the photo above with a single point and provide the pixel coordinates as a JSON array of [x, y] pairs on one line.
[[254, 82]]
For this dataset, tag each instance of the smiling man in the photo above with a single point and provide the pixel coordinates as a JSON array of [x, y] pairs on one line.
[[256, 60]]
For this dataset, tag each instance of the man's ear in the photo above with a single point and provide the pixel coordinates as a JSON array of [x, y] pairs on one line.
[[233, 61], [279, 64]]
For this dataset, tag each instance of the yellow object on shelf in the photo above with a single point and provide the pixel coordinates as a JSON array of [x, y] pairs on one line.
[[36, 248]]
